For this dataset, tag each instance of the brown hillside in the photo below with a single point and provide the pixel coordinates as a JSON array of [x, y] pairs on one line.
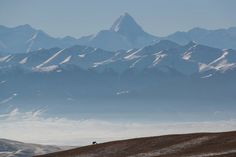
[[185, 145]]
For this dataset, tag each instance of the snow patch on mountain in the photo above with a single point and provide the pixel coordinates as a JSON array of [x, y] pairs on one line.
[[81, 55], [220, 64], [207, 76], [31, 42], [187, 54], [134, 63], [159, 56], [50, 59], [122, 92], [46, 68], [102, 63], [66, 60], [23, 61], [133, 55], [3, 59]]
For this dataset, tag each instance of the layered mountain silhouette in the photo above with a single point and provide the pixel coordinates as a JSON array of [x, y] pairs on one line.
[[221, 38], [196, 77], [119, 70], [124, 34]]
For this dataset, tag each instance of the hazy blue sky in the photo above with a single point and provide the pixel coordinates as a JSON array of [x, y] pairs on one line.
[[83, 17]]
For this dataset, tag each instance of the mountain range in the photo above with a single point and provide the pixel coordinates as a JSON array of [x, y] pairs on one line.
[[39, 71], [87, 80], [124, 34], [165, 55]]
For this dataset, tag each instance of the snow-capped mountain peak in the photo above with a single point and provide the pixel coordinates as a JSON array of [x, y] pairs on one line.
[[124, 34], [126, 24]]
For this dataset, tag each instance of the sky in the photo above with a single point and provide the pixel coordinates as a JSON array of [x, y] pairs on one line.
[[77, 18]]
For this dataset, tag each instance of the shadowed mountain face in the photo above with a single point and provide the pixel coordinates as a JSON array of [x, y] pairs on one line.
[[198, 79], [186, 145], [10, 148]]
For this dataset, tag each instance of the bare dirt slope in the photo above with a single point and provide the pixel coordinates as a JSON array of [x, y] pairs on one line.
[[185, 145]]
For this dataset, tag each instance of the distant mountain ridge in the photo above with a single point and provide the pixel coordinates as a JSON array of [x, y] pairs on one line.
[[220, 38], [24, 38], [124, 34]]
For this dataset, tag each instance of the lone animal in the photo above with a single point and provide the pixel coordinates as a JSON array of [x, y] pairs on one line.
[[94, 142]]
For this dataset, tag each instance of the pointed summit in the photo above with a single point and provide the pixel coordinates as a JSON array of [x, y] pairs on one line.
[[126, 25], [125, 34]]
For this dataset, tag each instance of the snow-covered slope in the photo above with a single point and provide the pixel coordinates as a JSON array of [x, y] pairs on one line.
[[10, 148]]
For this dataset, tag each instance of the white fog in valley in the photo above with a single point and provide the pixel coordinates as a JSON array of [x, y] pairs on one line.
[[33, 127]]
